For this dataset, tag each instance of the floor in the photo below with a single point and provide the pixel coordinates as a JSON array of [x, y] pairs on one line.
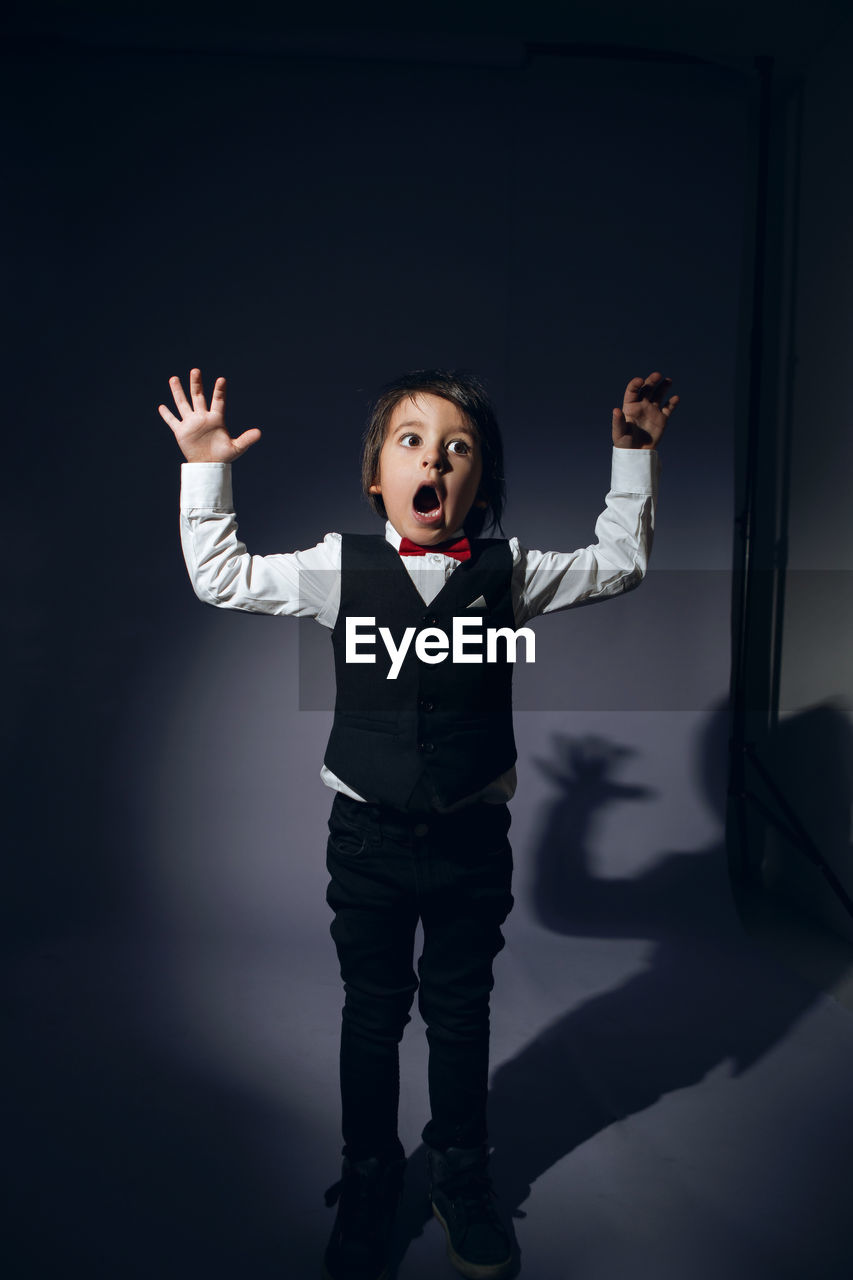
[[687, 1113], [670, 1098]]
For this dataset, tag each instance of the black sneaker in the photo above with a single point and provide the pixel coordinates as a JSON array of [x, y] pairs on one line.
[[463, 1201], [367, 1197]]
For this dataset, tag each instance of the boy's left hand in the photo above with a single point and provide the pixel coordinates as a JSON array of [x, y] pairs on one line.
[[642, 420]]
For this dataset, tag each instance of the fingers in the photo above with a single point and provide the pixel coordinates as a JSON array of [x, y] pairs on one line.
[[199, 403], [641, 421], [620, 429], [197, 391], [244, 441], [217, 400], [168, 417], [180, 398], [654, 385]]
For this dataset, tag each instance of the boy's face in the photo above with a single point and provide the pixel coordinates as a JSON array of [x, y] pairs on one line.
[[430, 467]]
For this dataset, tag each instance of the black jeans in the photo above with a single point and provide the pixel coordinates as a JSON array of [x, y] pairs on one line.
[[388, 869]]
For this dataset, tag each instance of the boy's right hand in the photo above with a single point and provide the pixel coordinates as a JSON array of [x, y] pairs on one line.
[[200, 432]]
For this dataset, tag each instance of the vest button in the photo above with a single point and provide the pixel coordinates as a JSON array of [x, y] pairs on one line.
[[426, 747], [426, 704], [430, 619], [421, 829]]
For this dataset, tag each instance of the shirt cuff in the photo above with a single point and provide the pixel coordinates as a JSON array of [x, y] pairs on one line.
[[634, 470], [206, 485]]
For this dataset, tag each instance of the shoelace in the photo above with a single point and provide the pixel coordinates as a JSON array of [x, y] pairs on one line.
[[475, 1192], [357, 1190], [333, 1195]]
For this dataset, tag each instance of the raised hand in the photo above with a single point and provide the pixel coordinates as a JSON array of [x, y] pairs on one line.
[[641, 421], [200, 432]]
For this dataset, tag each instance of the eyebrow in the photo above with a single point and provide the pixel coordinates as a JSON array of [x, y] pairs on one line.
[[418, 422]]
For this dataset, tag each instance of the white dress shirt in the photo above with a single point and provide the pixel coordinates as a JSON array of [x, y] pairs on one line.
[[306, 584]]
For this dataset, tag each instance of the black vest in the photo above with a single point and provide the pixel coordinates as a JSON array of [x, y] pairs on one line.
[[438, 731]]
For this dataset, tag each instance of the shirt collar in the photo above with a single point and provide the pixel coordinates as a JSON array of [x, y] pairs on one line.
[[392, 536]]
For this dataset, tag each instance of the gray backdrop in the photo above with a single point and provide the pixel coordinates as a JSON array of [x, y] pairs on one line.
[[311, 228]]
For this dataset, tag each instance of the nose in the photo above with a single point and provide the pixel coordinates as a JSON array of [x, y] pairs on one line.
[[432, 458]]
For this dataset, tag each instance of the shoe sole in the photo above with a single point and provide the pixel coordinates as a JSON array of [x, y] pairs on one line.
[[473, 1270]]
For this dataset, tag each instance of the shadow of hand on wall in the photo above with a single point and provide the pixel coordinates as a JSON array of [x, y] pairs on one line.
[[583, 773], [705, 994]]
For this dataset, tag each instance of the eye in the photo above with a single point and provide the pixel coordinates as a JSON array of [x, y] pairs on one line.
[[410, 440], [460, 447]]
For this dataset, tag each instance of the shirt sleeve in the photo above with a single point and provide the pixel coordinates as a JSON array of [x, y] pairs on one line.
[[302, 584], [546, 581]]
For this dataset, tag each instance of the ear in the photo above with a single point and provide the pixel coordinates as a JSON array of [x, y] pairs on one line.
[[481, 503], [375, 488]]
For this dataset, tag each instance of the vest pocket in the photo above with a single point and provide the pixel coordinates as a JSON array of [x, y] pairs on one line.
[[374, 724]]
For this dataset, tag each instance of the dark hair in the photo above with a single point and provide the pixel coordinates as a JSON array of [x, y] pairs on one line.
[[469, 395]]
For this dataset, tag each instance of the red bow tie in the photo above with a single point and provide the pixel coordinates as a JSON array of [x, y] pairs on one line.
[[459, 550]]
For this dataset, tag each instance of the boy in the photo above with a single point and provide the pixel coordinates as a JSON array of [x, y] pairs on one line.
[[421, 755]]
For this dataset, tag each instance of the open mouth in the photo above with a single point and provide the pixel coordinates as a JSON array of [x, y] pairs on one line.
[[427, 503]]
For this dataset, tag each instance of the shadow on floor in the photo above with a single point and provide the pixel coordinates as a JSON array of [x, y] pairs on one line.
[[705, 996]]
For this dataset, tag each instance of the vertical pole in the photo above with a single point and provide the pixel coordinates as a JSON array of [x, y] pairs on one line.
[[745, 553]]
